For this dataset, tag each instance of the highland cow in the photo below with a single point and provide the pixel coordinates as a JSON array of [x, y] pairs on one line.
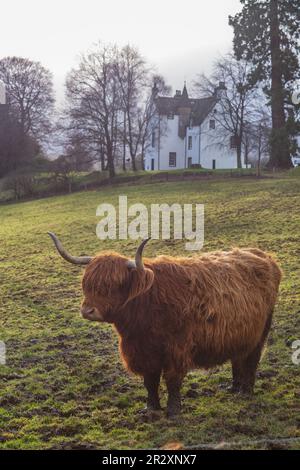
[[176, 314]]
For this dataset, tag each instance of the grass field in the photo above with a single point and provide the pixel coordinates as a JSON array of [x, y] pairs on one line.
[[64, 385]]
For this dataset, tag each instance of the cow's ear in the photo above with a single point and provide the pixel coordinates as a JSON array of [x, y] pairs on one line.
[[139, 282]]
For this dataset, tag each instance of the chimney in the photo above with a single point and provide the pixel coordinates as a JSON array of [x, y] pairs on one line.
[[220, 89]]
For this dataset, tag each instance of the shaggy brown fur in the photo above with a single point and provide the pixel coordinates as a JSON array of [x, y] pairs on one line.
[[182, 313]]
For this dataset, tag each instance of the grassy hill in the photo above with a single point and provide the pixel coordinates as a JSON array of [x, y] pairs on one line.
[[64, 385]]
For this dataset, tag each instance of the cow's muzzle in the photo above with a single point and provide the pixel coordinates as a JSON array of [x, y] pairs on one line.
[[86, 312], [91, 313]]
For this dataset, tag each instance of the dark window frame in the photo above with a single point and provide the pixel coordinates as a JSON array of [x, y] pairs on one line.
[[212, 124], [153, 139], [172, 155]]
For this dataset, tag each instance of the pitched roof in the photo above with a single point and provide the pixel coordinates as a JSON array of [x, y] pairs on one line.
[[202, 108], [199, 107]]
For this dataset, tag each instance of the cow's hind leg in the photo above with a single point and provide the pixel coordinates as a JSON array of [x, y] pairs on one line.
[[244, 369], [244, 372], [151, 382], [174, 398]]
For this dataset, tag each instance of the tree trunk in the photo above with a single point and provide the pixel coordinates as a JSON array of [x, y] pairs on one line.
[[133, 162], [102, 161], [246, 153], [280, 155], [258, 168], [124, 144], [111, 168], [102, 157], [143, 157], [110, 161], [239, 153]]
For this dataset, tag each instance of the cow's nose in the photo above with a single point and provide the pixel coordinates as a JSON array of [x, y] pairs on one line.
[[86, 312]]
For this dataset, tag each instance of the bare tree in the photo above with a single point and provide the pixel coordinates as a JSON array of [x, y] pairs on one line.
[[64, 169], [235, 102], [110, 104], [79, 140], [133, 79], [29, 92], [77, 150], [256, 138], [94, 100]]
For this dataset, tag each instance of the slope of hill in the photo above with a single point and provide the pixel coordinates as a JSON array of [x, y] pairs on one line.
[[64, 386]]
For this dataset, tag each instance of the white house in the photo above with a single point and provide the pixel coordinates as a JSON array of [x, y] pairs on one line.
[[184, 134]]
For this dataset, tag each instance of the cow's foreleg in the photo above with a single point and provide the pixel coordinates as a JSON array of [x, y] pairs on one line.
[[151, 382], [174, 399]]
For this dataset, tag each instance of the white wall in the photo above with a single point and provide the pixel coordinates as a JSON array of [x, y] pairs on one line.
[[215, 145], [169, 142], [205, 141], [195, 152]]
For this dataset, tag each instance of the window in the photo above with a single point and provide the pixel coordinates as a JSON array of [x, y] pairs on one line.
[[172, 159], [233, 142], [190, 162], [190, 142], [212, 124], [170, 115], [153, 139]]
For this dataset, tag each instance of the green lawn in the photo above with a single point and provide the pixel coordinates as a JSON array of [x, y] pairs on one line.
[[64, 385]]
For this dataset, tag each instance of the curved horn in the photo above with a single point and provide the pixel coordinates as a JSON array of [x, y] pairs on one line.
[[139, 255], [81, 260]]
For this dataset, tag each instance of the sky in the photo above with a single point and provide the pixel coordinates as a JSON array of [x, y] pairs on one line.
[[180, 38]]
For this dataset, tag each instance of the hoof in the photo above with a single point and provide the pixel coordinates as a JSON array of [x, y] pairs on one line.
[[173, 413], [226, 387], [242, 391], [247, 393], [150, 414]]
